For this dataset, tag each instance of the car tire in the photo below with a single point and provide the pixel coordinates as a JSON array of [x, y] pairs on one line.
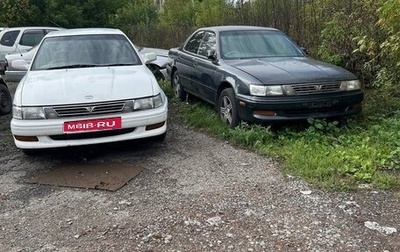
[[227, 108], [179, 92], [5, 100]]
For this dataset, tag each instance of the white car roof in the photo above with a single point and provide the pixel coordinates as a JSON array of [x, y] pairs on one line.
[[29, 28], [84, 31]]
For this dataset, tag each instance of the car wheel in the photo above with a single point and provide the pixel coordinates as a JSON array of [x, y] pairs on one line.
[[179, 93], [227, 108], [5, 100], [156, 71]]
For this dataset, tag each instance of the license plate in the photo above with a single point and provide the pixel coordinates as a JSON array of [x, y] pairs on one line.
[[324, 104], [92, 125]]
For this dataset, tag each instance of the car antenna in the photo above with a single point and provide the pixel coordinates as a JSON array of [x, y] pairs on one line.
[[20, 53]]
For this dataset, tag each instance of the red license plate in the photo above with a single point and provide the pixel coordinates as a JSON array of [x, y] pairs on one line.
[[92, 125]]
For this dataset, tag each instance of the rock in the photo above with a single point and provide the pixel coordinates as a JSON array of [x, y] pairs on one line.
[[375, 226]]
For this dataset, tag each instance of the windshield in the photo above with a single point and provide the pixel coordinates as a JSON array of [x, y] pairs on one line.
[[257, 44], [85, 51]]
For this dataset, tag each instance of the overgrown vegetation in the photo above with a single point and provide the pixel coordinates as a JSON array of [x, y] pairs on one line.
[[364, 150], [360, 35]]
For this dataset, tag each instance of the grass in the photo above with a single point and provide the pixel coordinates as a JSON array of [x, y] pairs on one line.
[[339, 156]]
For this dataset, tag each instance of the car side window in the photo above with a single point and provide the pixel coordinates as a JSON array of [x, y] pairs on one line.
[[31, 37], [9, 38], [194, 42], [208, 43]]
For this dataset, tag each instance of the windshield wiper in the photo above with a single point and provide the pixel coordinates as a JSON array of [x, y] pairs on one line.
[[72, 66], [119, 64]]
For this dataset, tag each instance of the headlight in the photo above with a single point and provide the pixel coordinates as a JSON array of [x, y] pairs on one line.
[[259, 90], [28, 113], [350, 85], [148, 103]]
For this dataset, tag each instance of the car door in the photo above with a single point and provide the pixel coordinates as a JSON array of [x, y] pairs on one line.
[[185, 60], [204, 68], [7, 43]]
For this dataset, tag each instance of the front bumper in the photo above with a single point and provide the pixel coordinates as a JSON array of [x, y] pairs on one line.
[[49, 132], [14, 76], [267, 109]]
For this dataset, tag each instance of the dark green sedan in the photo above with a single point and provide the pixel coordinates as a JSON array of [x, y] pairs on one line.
[[259, 74]]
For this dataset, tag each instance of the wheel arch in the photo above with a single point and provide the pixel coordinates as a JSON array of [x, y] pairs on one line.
[[3, 82], [223, 85], [173, 70]]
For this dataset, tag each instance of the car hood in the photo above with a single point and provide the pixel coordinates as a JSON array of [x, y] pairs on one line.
[[158, 51], [291, 70], [86, 85]]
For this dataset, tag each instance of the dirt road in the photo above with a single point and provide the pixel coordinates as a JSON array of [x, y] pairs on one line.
[[195, 193]]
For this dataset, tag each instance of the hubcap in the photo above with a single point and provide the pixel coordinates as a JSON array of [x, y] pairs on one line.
[[226, 110]]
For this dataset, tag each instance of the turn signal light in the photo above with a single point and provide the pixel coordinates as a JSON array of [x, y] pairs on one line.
[[264, 113], [26, 138], [155, 126]]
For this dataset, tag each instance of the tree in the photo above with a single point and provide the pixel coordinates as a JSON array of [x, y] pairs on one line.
[[15, 12], [212, 12], [389, 20], [80, 13]]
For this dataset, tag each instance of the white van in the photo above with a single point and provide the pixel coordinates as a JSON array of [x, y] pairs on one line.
[[19, 39]]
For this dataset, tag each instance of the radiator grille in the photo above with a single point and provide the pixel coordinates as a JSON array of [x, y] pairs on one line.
[[316, 88], [89, 109]]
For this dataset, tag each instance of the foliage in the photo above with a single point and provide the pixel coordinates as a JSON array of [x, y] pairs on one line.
[[15, 12], [212, 12], [178, 14], [74, 14], [133, 13], [350, 37], [389, 21]]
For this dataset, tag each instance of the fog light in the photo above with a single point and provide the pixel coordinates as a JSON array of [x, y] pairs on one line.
[[26, 138], [155, 126], [265, 113]]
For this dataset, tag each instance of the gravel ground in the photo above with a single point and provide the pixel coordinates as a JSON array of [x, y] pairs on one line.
[[195, 193]]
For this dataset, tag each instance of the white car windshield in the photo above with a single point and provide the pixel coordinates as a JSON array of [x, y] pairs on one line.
[[85, 51], [257, 44]]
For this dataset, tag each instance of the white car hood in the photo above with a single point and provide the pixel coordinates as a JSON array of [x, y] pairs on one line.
[[86, 85]]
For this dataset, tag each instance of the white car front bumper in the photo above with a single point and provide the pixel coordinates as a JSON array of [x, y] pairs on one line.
[[49, 132]]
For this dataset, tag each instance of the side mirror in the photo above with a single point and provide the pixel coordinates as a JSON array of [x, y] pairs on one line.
[[304, 50], [149, 57], [212, 55], [20, 64]]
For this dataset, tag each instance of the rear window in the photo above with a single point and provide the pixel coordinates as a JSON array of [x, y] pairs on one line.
[[8, 38], [31, 38]]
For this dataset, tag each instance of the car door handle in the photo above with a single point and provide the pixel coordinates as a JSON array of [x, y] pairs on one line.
[[195, 62]]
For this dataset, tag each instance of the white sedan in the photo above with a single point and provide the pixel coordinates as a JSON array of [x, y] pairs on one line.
[[87, 86]]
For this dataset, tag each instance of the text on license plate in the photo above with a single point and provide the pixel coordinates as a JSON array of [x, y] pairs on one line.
[[93, 125], [324, 104]]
